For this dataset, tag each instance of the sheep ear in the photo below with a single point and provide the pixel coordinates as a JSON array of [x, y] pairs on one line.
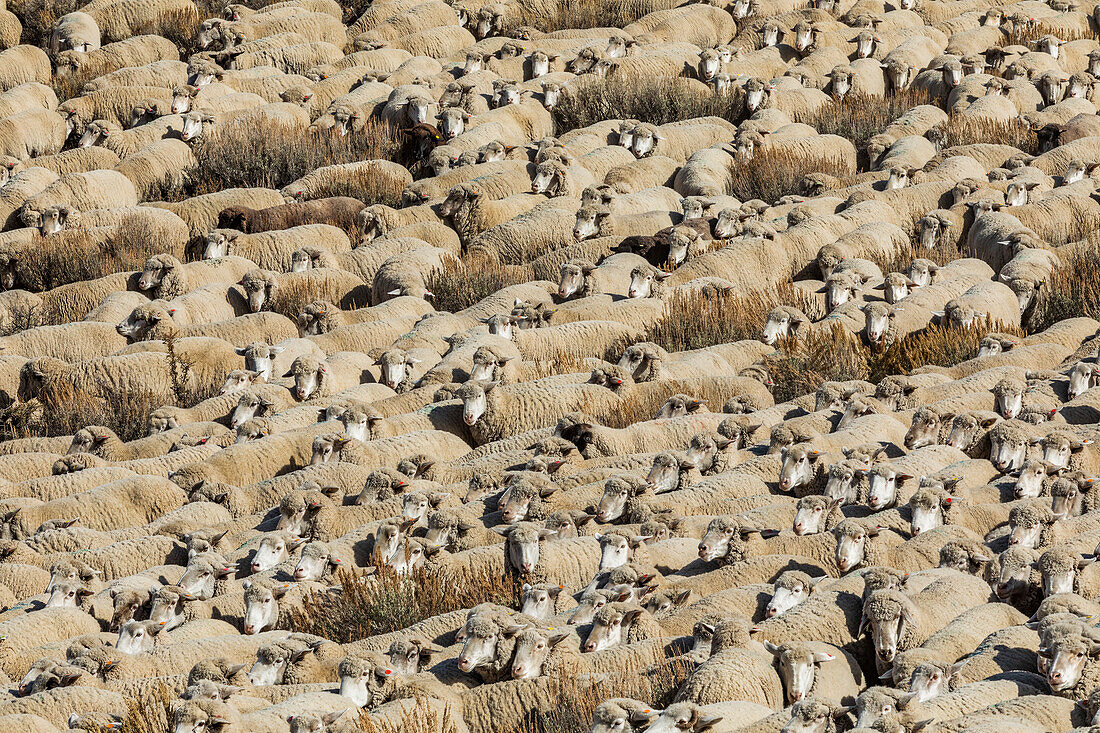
[[771, 648]]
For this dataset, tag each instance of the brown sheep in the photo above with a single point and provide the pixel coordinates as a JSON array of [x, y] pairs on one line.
[[339, 211]]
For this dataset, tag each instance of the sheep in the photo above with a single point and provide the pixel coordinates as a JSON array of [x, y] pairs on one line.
[[339, 211], [799, 663], [492, 412]]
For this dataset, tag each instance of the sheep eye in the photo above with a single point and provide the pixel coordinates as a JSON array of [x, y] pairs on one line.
[[541, 645], [887, 709], [817, 510], [935, 677]]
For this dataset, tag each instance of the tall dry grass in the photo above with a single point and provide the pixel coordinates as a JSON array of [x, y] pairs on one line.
[[774, 172], [463, 283], [658, 101], [1072, 290], [966, 130], [385, 602], [859, 117], [232, 155], [74, 255], [577, 14], [62, 409]]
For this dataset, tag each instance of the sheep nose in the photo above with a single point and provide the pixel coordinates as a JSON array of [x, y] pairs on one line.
[[771, 611], [255, 567], [527, 567], [916, 531], [590, 646], [517, 671], [798, 528], [249, 629]]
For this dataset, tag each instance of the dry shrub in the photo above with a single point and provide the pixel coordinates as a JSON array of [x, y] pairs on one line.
[[1073, 290], [151, 713], [73, 255], [774, 172], [938, 345], [834, 354], [388, 602], [180, 26], [294, 294], [234, 155], [63, 409], [587, 14], [859, 117], [463, 283], [707, 317], [967, 130], [900, 260], [650, 680], [419, 718], [1021, 35], [658, 101]]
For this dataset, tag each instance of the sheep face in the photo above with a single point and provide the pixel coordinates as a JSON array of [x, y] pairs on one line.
[[201, 575], [1007, 450], [67, 595], [532, 650], [1067, 659], [307, 382], [522, 546], [474, 402], [1083, 376], [414, 507], [137, 637], [842, 483], [589, 222], [1059, 447], [126, 605], [799, 467], [883, 489], [361, 681], [217, 245], [452, 122], [153, 273], [927, 511], [168, 607], [616, 549], [93, 135], [925, 428], [709, 64], [797, 668], [310, 723], [273, 549], [932, 229], [300, 261], [781, 323], [645, 141], [551, 95], [1026, 532], [613, 502], [589, 605], [261, 607], [959, 315], [810, 516], [1059, 571], [539, 603], [249, 406], [609, 628], [480, 647], [1029, 484], [785, 597], [549, 178], [1009, 397], [270, 666], [239, 380], [929, 681], [851, 545]]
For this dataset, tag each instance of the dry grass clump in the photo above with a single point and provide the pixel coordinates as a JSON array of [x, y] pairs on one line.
[[966, 130], [656, 685], [802, 364], [62, 409], [586, 14], [385, 602], [461, 283], [1073, 289], [708, 317], [900, 260], [775, 172], [658, 101], [1023, 35], [233, 155], [72, 255], [858, 117], [150, 713]]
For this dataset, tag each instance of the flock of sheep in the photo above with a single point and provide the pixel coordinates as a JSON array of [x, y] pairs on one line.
[[911, 555]]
